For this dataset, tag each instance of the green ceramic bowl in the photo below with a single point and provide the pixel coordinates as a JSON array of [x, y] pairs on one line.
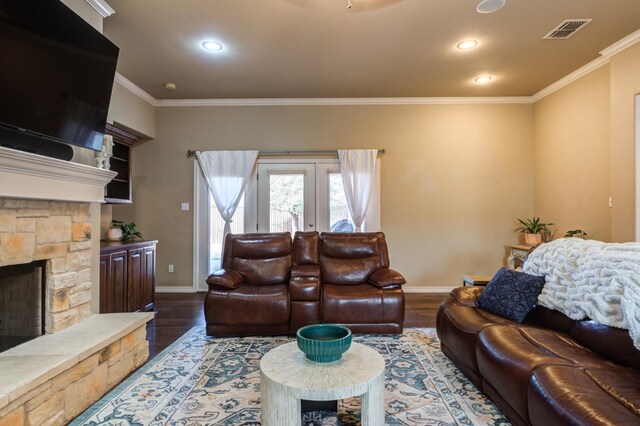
[[324, 342]]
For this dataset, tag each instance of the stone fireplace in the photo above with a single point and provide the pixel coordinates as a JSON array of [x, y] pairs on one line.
[[48, 210], [59, 233]]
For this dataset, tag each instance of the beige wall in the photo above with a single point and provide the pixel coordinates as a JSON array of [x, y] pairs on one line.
[[454, 177], [453, 180], [86, 12], [572, 156], [625, 84], [585, 151], [132, 112], [126, 110]]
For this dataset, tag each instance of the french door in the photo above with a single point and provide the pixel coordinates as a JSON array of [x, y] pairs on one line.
[[301, 196], [286, 197]]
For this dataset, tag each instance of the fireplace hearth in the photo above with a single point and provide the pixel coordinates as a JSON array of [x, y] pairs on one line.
[[22, 303], [46, 209]]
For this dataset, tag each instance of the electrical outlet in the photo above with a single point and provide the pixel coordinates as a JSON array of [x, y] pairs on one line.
[[184, 206], [170, 268]]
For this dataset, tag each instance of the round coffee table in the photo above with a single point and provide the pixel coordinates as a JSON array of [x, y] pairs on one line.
[[287, 376]]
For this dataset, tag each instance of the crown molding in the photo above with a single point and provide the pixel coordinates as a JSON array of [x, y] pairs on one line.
[[342, 101], [570, 78], [102, 7], [620, 45], [604, 59], [129, 85], [132, 87]]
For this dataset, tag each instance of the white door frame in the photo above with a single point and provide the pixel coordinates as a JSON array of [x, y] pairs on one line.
[[201, 210], [322, 191], [637, 136], [200, 222]]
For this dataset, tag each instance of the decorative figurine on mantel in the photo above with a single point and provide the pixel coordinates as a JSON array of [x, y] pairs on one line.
[[103, 157]]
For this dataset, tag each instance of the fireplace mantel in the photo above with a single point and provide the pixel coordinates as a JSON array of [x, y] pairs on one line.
[[26, 175], [47, 212]]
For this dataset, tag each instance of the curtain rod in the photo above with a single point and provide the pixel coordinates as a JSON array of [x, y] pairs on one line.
[[191, 153]]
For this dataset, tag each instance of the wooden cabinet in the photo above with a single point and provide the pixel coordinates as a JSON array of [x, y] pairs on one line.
[[113, 270], [148, 287], [127, 276], [134, 279], [118, 191]]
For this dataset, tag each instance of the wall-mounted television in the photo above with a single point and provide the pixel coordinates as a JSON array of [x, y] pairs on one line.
[[56, 77]]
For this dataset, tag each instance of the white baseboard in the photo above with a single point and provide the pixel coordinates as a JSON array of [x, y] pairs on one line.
[[174, 289], [427, 289], [407, 289]]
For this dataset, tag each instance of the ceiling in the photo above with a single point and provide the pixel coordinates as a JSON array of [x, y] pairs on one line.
[[378, 48]]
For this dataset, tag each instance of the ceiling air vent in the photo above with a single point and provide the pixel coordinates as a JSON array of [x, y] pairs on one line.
[[567, 28]]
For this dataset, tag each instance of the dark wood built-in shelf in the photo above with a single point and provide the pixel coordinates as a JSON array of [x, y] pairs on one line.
[[118, 191], [127, 276]]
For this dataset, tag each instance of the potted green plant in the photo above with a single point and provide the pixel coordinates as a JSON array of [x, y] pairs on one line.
[[534, 230], [127, 231], [576, 233]]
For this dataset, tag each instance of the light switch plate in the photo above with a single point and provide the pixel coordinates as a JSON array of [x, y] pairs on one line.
[[184, 206]]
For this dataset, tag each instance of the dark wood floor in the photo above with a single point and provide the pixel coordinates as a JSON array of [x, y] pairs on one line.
[[178, 312]]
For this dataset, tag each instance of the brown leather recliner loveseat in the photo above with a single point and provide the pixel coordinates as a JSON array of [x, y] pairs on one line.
[[271, 284], [549, 370]]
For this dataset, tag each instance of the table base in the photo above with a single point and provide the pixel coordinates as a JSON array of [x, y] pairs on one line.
[[307, 406]]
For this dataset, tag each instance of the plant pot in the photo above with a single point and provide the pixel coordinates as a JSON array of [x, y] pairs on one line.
[[114, 234], [532, 239]]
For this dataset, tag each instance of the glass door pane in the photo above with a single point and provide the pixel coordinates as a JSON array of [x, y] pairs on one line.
[[286, 202], [286, 197], [339, 220]]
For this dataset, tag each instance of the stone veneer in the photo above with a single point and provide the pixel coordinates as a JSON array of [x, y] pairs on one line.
[[53, 378], [60, 233]]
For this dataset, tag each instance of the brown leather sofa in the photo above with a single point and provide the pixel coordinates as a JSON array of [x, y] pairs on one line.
[[549, 370], [250, 295], [272, 284], [358, 288]]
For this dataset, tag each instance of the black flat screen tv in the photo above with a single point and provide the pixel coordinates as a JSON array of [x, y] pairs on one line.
[[56, 77]]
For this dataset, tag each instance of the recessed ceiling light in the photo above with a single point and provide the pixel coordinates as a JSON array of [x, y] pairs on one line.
[[211, 45], [467, 44], [483, 79], [490, 6]]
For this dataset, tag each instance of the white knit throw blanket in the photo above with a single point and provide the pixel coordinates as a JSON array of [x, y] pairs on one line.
[[591, 279]]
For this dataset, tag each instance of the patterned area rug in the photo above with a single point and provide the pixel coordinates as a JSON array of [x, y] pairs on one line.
[[201, 380]]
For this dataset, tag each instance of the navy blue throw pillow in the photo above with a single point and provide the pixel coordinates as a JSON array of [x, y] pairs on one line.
[[511, 294]]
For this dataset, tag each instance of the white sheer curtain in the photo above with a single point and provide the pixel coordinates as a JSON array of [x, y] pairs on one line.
[[227, 174], [358, 168]]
